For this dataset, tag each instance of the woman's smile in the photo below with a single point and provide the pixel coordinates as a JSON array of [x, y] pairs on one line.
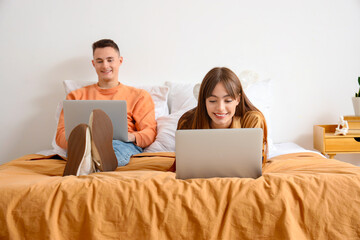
[[221, 107]]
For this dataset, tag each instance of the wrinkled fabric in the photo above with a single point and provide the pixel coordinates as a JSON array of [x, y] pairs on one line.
[[299, 196]]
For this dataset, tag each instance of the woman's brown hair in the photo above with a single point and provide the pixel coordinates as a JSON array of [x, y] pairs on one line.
[[233, 87]]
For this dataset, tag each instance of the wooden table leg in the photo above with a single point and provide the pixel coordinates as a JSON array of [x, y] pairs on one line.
[[331, 156]]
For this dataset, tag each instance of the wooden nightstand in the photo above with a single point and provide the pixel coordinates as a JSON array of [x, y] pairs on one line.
[[327, 143]]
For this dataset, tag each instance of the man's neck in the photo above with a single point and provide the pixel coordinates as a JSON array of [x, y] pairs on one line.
[[107, 85]]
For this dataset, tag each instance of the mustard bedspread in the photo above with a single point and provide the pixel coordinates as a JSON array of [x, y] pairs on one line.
[[299, 196]]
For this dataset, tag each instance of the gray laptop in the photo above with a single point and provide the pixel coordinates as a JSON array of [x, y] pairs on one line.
[[206, 153], [78, 111]]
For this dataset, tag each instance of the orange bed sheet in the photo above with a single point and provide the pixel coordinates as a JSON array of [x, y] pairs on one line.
[[299, 196]]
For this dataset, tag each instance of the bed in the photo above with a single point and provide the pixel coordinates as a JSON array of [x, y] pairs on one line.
[[301, 195]]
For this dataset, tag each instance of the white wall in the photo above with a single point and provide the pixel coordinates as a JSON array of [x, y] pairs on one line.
[[309, 48]]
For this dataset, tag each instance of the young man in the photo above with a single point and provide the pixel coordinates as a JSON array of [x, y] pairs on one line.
[[103, 153]]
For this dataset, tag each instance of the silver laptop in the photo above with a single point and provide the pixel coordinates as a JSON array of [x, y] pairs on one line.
[[78, 111], [206, 153]]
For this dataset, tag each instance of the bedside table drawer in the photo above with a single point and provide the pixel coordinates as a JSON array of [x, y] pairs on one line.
[[342, 144]]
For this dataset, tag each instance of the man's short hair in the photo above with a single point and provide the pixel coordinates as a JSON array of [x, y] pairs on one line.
[[105, 43]]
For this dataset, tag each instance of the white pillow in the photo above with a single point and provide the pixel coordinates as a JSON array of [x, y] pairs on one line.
[[165, 138], [71, 85], [181, 96], [159, 94]]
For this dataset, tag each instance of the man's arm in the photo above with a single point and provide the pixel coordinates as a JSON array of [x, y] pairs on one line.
[[60, 132], [145, 123]]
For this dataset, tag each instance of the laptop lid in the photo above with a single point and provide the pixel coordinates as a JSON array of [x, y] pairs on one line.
[[78, 111], [231, 152]]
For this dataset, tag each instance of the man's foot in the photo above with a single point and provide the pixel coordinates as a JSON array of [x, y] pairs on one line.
[[79, 152], [102, 150]]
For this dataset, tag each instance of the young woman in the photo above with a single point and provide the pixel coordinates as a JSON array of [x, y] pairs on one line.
[[222, 103]]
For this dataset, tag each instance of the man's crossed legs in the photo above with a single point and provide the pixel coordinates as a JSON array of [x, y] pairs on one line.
[[91, 147]]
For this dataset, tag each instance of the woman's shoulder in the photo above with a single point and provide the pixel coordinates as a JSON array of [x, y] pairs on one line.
[[253, 119]]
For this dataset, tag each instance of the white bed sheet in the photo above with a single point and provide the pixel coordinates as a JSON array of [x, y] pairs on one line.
[[288, 147]]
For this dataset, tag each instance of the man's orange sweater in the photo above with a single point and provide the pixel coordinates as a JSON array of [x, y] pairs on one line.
[[140, 111]]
